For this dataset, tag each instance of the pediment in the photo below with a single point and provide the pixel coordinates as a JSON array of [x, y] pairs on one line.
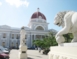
[[5, 26]]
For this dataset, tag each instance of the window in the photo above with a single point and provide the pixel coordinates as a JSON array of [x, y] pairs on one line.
[[17, 36], [17, 44], [12, 44], [39, 28], [4, 35], [25, 36], [3, 44], [38, 36], [12, 36]]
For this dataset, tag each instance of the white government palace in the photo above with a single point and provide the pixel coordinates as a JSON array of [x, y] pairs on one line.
[[37, 28]]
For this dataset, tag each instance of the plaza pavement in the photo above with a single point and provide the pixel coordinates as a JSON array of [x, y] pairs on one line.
[[32, 54]]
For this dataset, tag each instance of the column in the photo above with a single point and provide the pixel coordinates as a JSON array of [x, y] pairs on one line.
[[31, 39], [42, 37], [34, 36], [27, 41], [14, 40], [34, 39], [8, 38], [14, 36]]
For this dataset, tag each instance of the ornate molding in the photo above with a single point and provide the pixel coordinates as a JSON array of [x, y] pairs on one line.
[[57, 56]]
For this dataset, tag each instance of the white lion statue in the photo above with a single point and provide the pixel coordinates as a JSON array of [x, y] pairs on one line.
[[68, 21]]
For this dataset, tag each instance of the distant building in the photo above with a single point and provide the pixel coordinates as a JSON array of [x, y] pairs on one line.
[[37, 28]]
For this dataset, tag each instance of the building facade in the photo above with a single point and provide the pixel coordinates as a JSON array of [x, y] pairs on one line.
[[37, 28]]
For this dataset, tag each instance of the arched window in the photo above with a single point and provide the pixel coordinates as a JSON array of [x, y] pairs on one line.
[[39, 28]]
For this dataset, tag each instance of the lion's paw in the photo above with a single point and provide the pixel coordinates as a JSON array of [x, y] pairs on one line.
[[60, 39]]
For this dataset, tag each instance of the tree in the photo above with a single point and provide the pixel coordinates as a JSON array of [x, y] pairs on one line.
[[48, 40], [37, 42]]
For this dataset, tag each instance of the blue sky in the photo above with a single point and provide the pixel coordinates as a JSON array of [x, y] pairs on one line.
[[17, 13]]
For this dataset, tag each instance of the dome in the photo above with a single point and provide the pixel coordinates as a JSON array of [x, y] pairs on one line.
[[37, 14]]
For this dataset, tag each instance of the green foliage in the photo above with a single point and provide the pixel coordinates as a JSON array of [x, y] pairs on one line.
[[46, 42], [68, 37], [38, 42], [49, 40]]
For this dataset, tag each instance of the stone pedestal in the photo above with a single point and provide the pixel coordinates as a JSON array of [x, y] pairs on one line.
[[22, 52], [23, 46], [68, 44], [63, 51]]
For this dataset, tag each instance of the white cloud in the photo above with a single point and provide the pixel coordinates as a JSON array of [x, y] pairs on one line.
[[0, 3], [18, 3]]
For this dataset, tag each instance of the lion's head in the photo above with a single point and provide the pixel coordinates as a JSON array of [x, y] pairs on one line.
[[59, 18]]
